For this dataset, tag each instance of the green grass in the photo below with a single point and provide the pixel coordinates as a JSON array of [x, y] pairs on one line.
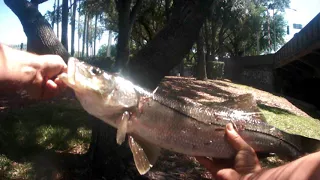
[[35, 137], [291, 123]]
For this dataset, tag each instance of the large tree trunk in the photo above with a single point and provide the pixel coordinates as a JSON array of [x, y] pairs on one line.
[[201, 62], [35, 3], [170, 45], [64, 29], [40, 36], [73, 26]]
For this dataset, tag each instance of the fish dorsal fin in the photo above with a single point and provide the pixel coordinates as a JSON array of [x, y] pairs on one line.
[[122, 128], [144, 154], [245, 103]]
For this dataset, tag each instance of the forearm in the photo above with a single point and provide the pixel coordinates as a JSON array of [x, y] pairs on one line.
[[305, 168]]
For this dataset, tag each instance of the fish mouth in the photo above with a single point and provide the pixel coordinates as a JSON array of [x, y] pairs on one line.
[[72, 70], [69, 77]]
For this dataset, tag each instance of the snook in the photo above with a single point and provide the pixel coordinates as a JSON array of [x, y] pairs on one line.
[[153, 122]]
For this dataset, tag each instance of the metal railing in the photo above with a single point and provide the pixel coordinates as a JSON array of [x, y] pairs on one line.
[[300, 43]]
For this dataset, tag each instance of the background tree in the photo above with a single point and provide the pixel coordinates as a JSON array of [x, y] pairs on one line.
[[64, 32], [73, 26]]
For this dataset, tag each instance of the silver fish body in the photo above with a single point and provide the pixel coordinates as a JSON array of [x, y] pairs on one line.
[[151, 121]]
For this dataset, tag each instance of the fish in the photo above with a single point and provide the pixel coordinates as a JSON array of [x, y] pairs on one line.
[[152, 122]]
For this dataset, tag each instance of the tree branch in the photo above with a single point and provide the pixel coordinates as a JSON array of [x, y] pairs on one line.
[[133, 12]]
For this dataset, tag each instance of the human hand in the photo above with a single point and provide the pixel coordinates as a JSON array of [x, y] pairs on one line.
[[45, 83], [244, 163], [37, 74]]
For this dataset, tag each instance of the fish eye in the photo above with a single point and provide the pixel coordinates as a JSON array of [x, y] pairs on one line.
[[96, 71]]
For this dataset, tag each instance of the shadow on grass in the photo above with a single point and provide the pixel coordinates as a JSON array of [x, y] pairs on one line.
[[179, 87], [275, 110], [310, 109], [42, 140]]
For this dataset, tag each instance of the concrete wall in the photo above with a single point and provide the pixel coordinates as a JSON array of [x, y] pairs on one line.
[[254, 71]]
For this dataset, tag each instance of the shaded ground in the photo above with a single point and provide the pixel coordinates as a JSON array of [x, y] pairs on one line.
[[48, 140]]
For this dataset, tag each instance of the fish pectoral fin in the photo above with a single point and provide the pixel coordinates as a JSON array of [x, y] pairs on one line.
[[122, 128], [144, 154]]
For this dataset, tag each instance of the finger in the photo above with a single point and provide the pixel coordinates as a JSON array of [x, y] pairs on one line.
[[61, 85], [50, 89], [235, 139], [53, 65], [228, 174]]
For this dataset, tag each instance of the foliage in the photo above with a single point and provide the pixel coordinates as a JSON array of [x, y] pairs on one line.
[[234, 27], [103, 51]]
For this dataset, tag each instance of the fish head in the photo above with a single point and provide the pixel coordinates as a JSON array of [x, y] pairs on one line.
[[100, 93]]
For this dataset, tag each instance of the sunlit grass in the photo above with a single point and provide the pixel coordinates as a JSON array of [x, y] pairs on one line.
[[291, 123]]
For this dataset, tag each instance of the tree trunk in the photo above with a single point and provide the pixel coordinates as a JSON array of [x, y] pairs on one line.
[[167, 9], [170, 45], [35, 3], [201, 62], [109, 44], [84, 34], [54, 14], [126, 19], [58, 17], [79, 34], [95, 35], [181, 68], [88, 35], [64, 32], [213, 37], [207, 44], [73, 26]]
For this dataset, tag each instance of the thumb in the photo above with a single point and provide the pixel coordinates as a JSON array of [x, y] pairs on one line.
[[235, 139], [228, 174]]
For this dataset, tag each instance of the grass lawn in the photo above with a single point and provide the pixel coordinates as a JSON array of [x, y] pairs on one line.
[[36, 139]]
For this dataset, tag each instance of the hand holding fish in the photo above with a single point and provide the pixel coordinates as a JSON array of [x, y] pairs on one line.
[[245, 162], [37, 74]]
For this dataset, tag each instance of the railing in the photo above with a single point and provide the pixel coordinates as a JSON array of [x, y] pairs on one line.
[[300, 44]]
